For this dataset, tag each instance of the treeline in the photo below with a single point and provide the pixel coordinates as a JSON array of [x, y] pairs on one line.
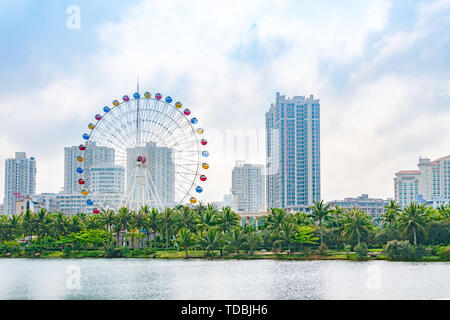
[[207, 229]]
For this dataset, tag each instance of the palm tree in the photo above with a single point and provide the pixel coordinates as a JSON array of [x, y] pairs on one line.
[[253, 240], [413, 219], [236, 239], [152, 223], [166, 221], [207, 218], [301, 218], [227, 219], [276, 218], [391, 213], [212, 239], [356, 222], [140, 219], [41, 226], [107, 219], [200, 208], [59, 224], [185, 239], [75, 223], [28, 223], [5, 229], [187, 218], [319, 213], [285, 234], [124, 221]]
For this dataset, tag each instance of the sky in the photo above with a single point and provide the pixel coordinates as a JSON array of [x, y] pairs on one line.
[[381, 70]]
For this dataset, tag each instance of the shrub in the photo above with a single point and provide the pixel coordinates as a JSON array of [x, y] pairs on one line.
[[67, 250], [347, 248], [421, 252], [399, 250], [307, 251], [322, 249], [10, 247], [361, 251], [143, 251], [32, 249], [445, 254]]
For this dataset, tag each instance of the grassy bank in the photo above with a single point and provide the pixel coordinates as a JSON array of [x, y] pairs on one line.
[[374, 254]]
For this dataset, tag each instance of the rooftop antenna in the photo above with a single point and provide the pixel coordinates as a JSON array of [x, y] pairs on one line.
[[137, 81]]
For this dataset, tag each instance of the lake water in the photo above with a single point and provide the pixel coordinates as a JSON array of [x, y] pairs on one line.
[[233, 279]]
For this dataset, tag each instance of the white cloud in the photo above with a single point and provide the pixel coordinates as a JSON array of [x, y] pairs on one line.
[[226, 60]]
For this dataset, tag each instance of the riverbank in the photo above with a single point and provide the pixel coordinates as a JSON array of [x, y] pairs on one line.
[[195, 254]]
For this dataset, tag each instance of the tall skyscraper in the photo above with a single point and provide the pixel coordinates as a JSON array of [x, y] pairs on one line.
[[430, 183], [95, 155], [20, 180], [293, 152], [247, 188]]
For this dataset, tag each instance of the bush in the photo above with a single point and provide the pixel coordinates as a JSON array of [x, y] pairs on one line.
[[347, 248], [399, 250], [445, 253], [361, 251], [114, 252], [307, 251], [67, 250], [32, 249], [10, 247], [421, 252], [322, 249], [143, 251]]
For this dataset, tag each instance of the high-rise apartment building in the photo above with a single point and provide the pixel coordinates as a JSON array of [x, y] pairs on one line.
[[160, 164], [248, 192], [293, 152], [20, 180], [430, 183], [105, 179], [94, 155], [406, 186]]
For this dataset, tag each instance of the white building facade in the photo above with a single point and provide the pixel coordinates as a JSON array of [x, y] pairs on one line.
[[248, 188], [293, 152], [431, 183], [372, 206], [20, 180], [107, 179], [94, 155]]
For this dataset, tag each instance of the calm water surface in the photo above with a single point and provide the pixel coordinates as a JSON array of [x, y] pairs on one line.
[[199, 279]]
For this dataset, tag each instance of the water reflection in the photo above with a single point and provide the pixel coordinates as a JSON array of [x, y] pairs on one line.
[[198, 279]]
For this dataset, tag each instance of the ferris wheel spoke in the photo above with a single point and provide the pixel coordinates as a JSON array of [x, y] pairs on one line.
[[166, 138]]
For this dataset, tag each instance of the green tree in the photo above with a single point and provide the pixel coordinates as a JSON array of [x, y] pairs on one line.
[[227, 220], [320, 213], [304, 235], [391, 213], [212, 240], [140, 220], [236, 239], [185, 239], [166, 223], [413, 219], [124, 219], [276, 218], [253, 240], [286, 234], [356, 224]]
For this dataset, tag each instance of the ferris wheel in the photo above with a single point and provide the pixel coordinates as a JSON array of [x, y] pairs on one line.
[[154, 146]]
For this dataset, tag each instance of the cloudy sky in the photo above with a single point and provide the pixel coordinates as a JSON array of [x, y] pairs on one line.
[[380, 68]]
